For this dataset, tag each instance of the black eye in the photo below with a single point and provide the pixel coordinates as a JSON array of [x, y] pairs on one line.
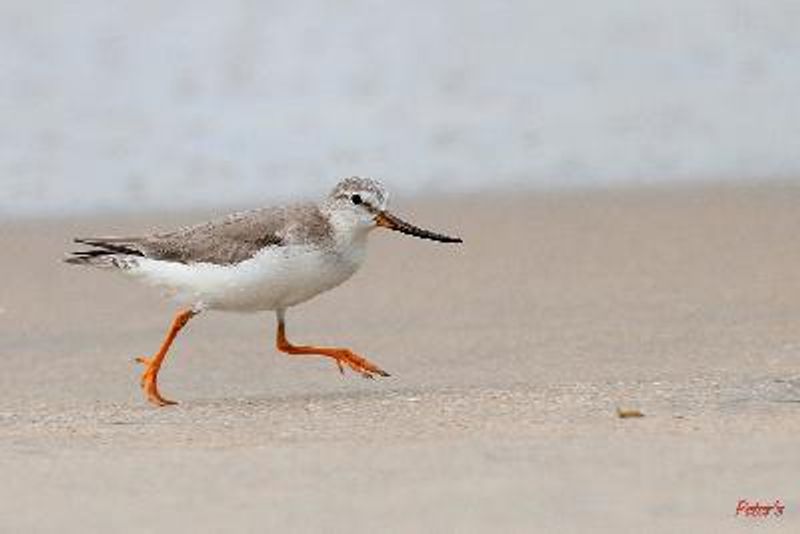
[[356, 199]]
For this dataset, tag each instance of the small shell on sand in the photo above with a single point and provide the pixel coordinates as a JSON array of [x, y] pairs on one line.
[[626, 413]]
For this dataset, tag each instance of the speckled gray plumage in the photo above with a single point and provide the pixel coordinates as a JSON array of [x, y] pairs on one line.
[[229, 240], [356, 184]]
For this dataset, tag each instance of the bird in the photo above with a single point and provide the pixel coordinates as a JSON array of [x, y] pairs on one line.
[[267, 259]]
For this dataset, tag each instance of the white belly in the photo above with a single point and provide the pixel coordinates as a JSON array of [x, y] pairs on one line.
[[276, 278]]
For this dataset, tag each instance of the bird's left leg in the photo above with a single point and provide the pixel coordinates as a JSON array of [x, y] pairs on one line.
[[341, 356], [150, 375]]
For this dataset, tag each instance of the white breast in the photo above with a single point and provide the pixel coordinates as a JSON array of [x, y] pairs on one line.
[[276, 278]]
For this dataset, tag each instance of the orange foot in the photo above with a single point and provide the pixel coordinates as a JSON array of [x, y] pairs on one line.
[[341, 356], [366, 368], [150, 383]]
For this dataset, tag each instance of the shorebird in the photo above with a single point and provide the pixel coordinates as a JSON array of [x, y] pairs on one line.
[[267, 259]]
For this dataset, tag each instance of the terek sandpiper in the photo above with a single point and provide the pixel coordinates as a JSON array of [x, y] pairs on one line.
[[267, 259]]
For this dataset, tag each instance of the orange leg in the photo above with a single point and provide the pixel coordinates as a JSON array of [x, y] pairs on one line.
[[150, 375], [341, 356]]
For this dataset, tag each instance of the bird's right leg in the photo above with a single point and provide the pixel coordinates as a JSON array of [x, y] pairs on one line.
[[150, 376], [341, 356]]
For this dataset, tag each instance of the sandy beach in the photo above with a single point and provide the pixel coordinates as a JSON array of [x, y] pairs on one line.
[[509, 355]]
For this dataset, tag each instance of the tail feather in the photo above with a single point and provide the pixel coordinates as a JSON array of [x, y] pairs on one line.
[[119, 245], [106, 252]]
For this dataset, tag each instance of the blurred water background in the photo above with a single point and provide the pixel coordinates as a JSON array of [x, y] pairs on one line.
[[108, 106]]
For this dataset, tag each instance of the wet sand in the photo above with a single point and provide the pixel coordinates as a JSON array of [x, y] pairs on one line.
[[509, 358]]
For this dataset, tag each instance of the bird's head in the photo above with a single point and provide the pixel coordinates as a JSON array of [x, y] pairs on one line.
[[361, 205]]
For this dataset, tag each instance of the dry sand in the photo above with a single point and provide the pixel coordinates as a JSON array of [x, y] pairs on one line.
[[509, 357]]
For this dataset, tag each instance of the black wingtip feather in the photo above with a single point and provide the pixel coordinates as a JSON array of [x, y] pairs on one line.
[[107, 246]]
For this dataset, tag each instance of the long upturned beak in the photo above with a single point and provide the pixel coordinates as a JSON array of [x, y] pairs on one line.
[[387, 220]]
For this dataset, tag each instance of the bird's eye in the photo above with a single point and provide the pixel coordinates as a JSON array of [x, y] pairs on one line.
[[356, 199]]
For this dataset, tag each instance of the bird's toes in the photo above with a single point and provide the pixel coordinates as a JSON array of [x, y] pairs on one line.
[[157, 400], [370, 372]]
